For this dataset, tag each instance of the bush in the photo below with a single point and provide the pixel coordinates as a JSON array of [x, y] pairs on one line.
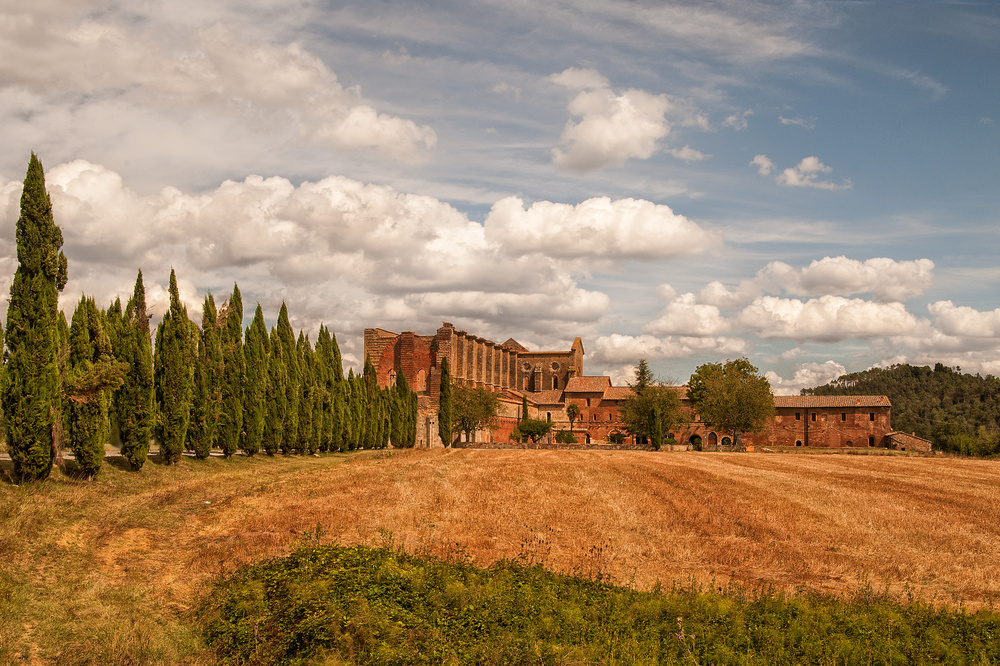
[[565, 437]]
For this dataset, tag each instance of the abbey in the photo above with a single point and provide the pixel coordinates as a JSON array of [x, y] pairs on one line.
[[550, 381]]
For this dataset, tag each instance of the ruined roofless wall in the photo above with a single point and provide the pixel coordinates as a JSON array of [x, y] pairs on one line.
[[477, 361]]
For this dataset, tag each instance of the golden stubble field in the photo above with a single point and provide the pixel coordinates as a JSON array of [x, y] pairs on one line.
[[922, 525]]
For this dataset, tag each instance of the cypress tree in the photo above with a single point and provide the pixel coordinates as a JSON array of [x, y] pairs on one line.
[[293, 370], [403, 426], [277, 398], [206, 407], [257, 373], [324, 386], [92, 376], [234, 381], [31, 393], [369, 395], [176, 348], [444, 404], [135, 401], [307, 390]]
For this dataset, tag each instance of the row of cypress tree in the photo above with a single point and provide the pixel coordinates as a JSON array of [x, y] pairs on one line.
[[99, 378]]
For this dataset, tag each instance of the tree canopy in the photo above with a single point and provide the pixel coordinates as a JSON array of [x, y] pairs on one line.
[[473, 409], [652, 409], [732, 396]]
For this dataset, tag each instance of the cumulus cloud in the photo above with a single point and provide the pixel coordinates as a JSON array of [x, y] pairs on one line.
[[96, 59], [886, 279], [826, 319], [764, 165], [963, 321], [686, 317], [609, 128], [688, 154], [807, 375], [361, 252], [597, 228], [618, 349], [806, 174]]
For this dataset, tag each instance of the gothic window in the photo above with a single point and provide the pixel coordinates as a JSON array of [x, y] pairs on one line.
[[555, 382]]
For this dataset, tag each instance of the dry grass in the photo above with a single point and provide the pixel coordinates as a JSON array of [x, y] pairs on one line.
[[83, 558]]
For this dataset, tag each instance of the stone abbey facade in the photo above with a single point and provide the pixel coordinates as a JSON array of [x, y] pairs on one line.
[[553, 380]]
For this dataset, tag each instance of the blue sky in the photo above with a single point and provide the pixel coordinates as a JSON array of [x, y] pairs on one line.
[[812, 185]]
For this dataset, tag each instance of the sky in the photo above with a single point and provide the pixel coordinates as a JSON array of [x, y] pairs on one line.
[[812, 185]]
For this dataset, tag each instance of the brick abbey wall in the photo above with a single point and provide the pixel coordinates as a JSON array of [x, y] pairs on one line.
[[552, 380]]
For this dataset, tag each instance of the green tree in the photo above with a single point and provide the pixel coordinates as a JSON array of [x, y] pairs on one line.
[[258, 372], [135, 401], [173, 369], [652, 408], [32, 393], [573, 412], [473, 409], [234, 378], [534, 429], [293, 383], [732, 396], [93, 374], [206, 407], [445, 413], [276, 419]]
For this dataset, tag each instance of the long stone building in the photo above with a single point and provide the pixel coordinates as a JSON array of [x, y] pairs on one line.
[[550, 381]]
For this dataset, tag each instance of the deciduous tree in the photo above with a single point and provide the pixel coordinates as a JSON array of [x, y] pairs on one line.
[[732, 396], [652, 409], [473, 409]]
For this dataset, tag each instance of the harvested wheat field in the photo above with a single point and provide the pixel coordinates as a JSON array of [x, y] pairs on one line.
[[827, 522], [150, 542]]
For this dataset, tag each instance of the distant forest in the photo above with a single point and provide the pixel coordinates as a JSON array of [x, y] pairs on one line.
[[959, 412]]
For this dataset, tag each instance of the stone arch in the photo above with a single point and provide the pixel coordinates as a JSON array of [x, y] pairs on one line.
[[713, 439]]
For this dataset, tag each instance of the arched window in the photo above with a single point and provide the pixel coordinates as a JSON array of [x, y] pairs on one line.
[[555, 383], [548, 416]]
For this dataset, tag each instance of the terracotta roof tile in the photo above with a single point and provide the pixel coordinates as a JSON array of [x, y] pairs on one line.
[[588, 384], [806, 401], [617, 393], [551, 397]]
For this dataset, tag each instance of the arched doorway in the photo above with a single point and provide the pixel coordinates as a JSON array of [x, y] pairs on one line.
[[713, 439], [695, 442]]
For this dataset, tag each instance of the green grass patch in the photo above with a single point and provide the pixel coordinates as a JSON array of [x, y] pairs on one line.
[[328, 604]]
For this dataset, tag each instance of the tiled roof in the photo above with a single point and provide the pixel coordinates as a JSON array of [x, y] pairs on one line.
[[814, 401], [617, 393], [551, 397], [588, 384]]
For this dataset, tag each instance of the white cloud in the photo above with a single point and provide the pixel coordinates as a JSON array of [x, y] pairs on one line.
[[617, 349], [622, 376], [686, 317], [963, 321], [615, 127], [576, 78], [597, 228], [801, 122], [807, 375], [764, 165], [215, 70], [738, 121], [806, 174], [826, 319], [688, 154], [886, 279]]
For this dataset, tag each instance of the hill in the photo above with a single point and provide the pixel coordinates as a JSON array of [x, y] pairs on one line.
[[959, 412], [110, 571]]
